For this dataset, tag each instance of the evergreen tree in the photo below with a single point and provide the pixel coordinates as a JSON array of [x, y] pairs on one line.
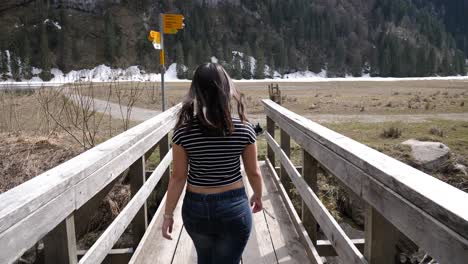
[[190, 66], [65, 61], [15, 66], [3, 64], [272, 67], [110, 39], [259, 71], [247, 66], [180, 61], [237, 67], [45, 54], [356, 63]]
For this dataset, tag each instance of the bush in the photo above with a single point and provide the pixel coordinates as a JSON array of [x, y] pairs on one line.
[[391, 132], [436, 131]]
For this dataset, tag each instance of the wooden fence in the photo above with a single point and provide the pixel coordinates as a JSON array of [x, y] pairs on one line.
[[399, 198], [59, 203]]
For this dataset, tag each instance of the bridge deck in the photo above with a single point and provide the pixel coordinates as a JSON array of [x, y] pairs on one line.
[[273, 238]]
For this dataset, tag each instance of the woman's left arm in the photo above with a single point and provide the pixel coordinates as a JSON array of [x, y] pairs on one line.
[[175, 187]]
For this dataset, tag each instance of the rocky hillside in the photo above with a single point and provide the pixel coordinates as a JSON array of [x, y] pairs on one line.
[[346, 37]]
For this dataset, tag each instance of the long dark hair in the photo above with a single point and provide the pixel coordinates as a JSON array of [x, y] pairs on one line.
[[210, 101]]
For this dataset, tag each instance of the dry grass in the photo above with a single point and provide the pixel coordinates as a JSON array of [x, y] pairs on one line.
[[352, 97]]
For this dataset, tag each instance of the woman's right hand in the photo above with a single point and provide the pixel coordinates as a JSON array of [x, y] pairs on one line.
[[256, 202]]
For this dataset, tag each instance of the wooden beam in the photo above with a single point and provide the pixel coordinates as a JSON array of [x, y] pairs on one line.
[[137, 180], [60, 243], [103, 245], [309, 173], [332, 230], [314, 257], [450, 247], [271, 131], [153, 248], [325, 247], [381, 239]]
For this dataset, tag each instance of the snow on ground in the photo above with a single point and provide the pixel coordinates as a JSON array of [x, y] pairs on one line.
[[103, 73]]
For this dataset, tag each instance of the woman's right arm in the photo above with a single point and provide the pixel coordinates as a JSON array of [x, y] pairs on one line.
[[252, 169]]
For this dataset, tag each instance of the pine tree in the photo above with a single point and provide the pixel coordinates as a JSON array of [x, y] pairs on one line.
[[272, 67], [190, 65], [3, 64], [45, 54], [110, 39], [65, 60], [180, 62], [15, 67], [259, 71], [237, 67], [247, 66]]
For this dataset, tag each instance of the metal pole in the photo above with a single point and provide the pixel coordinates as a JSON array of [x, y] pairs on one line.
[[161, 55]]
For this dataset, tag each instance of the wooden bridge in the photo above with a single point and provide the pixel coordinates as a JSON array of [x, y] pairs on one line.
[[56, 206]]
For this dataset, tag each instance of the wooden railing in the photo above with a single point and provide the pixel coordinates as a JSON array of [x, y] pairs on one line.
[[58, 204], [399, 198]]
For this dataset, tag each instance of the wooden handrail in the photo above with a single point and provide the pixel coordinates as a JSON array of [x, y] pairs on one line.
[[31, 210], [418, 207]]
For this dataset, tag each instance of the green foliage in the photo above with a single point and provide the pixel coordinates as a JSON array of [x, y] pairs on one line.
[[247, 66], [237, 67], [110, 39], [259, 70], [180, 62], [3, 62], [15, 67], [45, 55]]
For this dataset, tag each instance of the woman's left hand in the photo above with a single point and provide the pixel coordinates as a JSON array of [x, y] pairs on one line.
[[167, 227]]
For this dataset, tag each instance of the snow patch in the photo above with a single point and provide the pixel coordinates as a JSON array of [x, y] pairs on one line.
[[54, 23]]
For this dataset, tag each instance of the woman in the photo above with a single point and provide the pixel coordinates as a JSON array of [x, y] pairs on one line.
[[215, 210]]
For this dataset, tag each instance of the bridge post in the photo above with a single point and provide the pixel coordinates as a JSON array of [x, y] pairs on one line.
[[137, 179], [380, 238], [309, 172], [286, 147], [60, 243], [271, 131]]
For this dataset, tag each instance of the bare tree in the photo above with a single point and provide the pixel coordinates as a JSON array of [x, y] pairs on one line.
[[127, 98]]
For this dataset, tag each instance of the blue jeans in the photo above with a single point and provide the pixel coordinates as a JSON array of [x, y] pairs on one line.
[[219, 225]]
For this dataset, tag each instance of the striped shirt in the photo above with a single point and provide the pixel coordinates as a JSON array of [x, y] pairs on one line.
[[214, 160]]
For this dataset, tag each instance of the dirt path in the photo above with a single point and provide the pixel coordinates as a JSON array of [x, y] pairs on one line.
[[141, 114]]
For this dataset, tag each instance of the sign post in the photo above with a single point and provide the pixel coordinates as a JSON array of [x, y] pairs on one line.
[[161, 58], [168, 24]]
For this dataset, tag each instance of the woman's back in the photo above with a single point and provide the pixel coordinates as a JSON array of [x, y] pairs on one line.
[[214, 160]]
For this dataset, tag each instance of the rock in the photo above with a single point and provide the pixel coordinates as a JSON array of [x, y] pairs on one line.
[[461, 169], [429, 155]]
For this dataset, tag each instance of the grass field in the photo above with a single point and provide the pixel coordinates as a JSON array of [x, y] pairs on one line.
[[334, 97]]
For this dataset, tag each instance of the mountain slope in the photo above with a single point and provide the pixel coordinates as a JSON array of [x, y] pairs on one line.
[[380, 37]]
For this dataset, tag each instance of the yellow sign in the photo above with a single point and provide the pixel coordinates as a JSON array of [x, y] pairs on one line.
[[154, 36], [170, 31], [173, 21]]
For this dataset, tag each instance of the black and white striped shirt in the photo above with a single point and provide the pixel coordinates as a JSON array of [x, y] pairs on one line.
[[214, 160]]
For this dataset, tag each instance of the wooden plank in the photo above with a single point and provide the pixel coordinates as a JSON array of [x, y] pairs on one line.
[[92, 184], [332, 230], [314, 257], [24, 234], [309, 173], [271, 131], [426, 192], [442, 243], [286, 241], [153, 248], [259, 248], [60, 243], [137, 180], [286, 147], [185, 252], [325, 247], [17, 203], [103, 245], [381, 238]]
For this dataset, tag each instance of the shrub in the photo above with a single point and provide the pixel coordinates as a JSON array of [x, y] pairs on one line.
[[391, 132], [436, 131]]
